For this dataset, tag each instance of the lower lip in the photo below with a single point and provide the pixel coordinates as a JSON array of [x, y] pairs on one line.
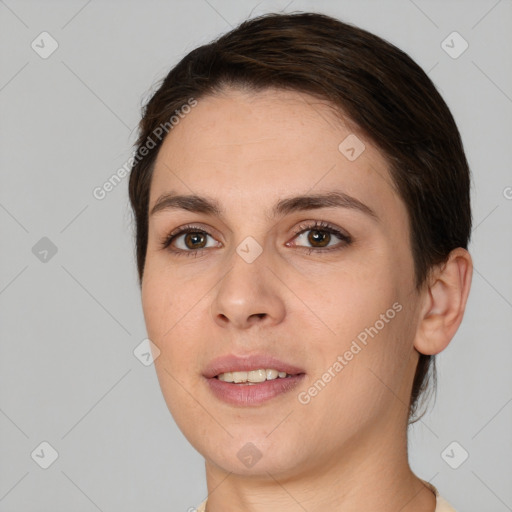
[[253, 394]]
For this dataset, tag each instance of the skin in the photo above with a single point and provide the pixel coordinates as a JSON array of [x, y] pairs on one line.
[[347, 448]]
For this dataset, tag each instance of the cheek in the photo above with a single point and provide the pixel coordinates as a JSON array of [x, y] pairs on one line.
[[157, 306], [172, 313], [351, 300], [366, 320], [358, 375], [176, 315], [166, 297]]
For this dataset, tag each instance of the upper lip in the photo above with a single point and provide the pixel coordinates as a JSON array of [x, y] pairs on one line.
[[233, 363]]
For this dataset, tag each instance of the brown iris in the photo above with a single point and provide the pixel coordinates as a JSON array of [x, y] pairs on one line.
[[318, 236], [194, 237]]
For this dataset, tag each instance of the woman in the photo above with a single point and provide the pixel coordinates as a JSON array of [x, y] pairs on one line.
[[301, 198]]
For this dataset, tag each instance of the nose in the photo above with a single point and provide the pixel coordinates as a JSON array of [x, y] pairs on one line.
[[248, 294]]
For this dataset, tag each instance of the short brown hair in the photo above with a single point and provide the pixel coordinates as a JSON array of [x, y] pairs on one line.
[[374, 85]]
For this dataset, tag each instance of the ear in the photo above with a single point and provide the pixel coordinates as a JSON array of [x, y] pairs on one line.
[[444, 302]]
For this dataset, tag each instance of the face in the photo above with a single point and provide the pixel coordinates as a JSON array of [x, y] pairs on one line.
[[325, 288]]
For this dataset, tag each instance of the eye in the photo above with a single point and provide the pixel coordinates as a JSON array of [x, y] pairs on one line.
[[190, 240], [320, 236]]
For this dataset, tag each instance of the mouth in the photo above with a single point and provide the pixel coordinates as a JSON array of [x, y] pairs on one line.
[[249, 368], [253, 377], [251, 380]]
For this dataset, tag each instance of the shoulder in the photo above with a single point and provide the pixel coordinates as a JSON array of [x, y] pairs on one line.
[[441, 504], [202, 506]]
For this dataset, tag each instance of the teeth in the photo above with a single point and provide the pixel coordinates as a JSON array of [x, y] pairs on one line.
[[272, 374], [252, 376], [257, 376]]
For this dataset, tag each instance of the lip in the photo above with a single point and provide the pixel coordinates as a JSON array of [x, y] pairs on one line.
[[252, 394], [255, 393], [233, 363]]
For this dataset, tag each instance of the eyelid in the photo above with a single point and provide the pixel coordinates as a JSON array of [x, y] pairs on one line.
[[321, 226], [345, 238], [168, 238]]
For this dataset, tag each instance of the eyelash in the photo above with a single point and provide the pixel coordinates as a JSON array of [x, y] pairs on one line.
[[318, 226]]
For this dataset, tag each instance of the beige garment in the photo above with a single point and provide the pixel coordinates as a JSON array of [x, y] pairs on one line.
[[441, 504]]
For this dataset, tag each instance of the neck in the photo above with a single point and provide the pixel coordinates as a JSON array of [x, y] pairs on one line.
[[368, 473]]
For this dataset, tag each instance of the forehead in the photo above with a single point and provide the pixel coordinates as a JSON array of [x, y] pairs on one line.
[[255, 146]]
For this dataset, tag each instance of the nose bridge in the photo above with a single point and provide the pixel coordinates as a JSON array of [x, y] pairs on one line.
[[248, 292]]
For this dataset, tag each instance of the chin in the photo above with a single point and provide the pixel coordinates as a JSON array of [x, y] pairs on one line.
[[255, 455]]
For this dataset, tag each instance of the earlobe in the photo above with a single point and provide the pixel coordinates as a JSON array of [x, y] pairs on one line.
[[445, 299]]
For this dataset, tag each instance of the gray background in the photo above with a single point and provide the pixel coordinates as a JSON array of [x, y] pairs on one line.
[[70, 321]]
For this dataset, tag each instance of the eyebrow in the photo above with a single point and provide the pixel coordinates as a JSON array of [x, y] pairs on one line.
[[199, 204]]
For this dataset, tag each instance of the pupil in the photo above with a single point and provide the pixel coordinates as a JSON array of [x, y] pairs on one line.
[[313, 239], [194, 237]]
